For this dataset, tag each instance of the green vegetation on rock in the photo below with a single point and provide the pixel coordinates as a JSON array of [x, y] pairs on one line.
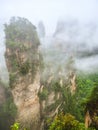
[[20, 30], [24, 68], [74, 103]]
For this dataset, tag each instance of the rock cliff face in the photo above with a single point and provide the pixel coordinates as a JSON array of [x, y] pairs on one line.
[[22, 58]]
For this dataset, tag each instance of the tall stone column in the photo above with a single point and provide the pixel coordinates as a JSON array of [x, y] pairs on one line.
[[22, 59]]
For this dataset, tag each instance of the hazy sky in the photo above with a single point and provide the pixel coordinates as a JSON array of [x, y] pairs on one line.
[[49, 11]]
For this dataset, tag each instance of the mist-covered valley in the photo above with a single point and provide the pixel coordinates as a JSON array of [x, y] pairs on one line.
[[48, 65], [72, 39], [44, 77]]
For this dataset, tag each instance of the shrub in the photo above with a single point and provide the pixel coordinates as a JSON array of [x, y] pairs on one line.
[[24, 68], [43, 95], [12, 79], [15, 126]]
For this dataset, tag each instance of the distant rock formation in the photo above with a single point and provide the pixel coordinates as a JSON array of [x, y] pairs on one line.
[[41, 29], [77, 38]]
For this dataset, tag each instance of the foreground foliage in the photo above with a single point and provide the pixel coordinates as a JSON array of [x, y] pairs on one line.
[[66, 122], [15, 126]]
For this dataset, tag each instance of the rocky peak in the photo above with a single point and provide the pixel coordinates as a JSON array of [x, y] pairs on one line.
[[22, 58]]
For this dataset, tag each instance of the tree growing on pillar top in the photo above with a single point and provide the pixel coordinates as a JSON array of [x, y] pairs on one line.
[[20, 32]]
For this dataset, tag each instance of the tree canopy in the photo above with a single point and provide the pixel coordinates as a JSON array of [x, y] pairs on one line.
[[19, 31]]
